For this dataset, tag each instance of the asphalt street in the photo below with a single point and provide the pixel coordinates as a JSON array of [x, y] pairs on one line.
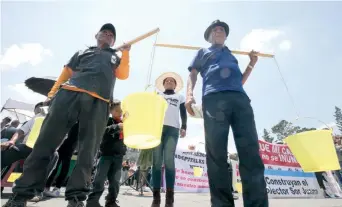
[[130, 198]]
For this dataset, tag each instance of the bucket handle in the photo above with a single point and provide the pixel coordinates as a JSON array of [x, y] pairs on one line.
[[125, 116], [149, 86], [313, 118]]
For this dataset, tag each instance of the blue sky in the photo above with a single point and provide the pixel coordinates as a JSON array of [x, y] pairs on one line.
[[38, 38]]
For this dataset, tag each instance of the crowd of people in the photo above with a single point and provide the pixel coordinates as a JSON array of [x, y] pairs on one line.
[[331, 181], [84, 116], [8, 128]]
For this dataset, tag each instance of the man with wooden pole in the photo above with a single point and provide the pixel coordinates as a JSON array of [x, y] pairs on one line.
[[91, 76], [225, 103]]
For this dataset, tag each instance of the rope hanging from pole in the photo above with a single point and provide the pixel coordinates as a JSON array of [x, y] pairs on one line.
[[149, 72]]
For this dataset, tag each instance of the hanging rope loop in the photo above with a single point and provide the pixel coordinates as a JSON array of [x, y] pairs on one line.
[[287, 88], [149, 72]]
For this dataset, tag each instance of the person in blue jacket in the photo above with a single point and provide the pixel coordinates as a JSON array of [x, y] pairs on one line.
[[225, 104]]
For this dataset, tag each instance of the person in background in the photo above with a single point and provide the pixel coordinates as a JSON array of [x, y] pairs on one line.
[[225, 104], [65, 152], [82, 93], [322, 179], [169, 84], [8, 132], [230, 169], [131, 177], [338, 147], [230, 157], [125, 169], [16, 149], [112, 151], [5, 121], [144, 162]]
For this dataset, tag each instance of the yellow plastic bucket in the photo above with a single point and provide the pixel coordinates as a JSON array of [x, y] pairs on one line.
[[198, 171], [143, 119], [314, 150], [31, 140], [238, 187]]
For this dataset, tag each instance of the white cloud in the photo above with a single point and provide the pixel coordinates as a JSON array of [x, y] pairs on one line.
[[265, 40], [22, 93], [259, 39], [285, 45], [32, 53]]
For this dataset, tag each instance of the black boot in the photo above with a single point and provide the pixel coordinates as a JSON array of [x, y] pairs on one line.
[[169, 200], [111, 202], [93, 204], [75, 203], [15, 201], [156, 198]]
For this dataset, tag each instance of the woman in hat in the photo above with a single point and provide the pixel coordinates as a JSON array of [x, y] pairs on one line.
[[169, 84], [225, 103]]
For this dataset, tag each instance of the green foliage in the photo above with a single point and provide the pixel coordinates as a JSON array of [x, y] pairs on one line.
[[338, 118], [267, 136], [282, 130]]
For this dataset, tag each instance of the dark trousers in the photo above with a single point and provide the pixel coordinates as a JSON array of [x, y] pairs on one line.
[[222, 110], [65, 153], [66, 108], [64, 163], [9, 156], [320, 179], [109, 167], [338, 174]]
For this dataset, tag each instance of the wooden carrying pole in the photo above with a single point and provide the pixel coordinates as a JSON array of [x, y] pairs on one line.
[[197, 48], [141, 37]]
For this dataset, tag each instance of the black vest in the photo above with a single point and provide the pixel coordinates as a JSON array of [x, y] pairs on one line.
[[93, 70]]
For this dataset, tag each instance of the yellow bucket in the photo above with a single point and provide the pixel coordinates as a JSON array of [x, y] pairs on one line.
[[314, 150], [198, 171], [238, 187], [143, 119], [31, 140]]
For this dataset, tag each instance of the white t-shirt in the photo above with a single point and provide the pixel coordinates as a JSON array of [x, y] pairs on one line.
[[172, 114], [27, 127]]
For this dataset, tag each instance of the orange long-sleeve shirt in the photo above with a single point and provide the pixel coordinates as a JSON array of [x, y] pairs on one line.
[[122, 73]]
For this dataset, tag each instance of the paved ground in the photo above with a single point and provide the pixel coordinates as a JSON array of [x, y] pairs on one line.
[[132, 199]]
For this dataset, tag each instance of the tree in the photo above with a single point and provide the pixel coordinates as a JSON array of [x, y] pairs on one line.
[[267, 136], [284, 129], [338, 118], [304, 129]]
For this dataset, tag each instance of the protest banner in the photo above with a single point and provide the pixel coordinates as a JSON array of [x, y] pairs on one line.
[[186, 163], [283, 174]]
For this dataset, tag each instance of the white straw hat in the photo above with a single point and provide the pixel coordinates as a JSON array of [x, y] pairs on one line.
[[160, 80]]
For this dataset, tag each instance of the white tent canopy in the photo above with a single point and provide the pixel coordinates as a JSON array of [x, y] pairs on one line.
[[17, 110]]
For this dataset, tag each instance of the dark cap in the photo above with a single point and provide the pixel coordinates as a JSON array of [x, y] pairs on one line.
[[109, 27], [40, 104], [214, 24]]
